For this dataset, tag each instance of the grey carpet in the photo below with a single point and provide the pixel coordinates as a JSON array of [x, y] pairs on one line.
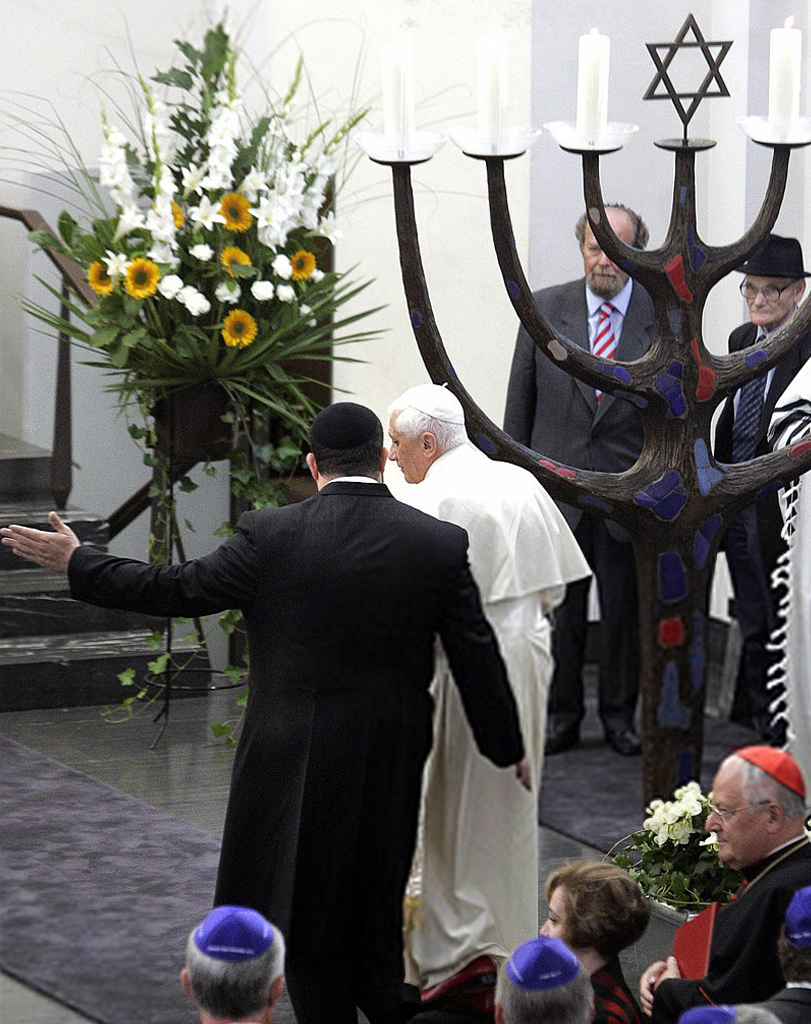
[[98, 892], [595, 796]]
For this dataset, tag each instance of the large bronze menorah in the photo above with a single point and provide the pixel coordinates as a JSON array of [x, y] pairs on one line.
[[676, 500]]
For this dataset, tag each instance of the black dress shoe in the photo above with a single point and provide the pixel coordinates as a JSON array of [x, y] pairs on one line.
[[562, 739], [624, 741]]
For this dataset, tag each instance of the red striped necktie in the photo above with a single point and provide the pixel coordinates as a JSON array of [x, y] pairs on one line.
[[605, 343]]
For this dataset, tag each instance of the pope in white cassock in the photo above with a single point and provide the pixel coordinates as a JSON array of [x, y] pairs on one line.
[[479, 849], [791, 422]]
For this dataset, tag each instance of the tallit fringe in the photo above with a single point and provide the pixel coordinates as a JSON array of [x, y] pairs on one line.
[[779, 673]]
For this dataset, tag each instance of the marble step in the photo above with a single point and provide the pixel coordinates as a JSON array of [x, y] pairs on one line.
[[42, 606], [82, 669], [25, 471]]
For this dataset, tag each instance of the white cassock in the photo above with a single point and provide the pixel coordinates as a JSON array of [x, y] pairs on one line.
[[479, 848], [791, 423]]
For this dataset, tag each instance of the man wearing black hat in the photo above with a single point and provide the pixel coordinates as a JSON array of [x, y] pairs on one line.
[[773, 287], [343, 596]]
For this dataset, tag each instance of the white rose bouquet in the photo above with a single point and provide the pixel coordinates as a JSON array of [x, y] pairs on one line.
[[673, 857]]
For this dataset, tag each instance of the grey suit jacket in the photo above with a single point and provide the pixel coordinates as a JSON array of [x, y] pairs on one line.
[[790, 1005], [559, 416]]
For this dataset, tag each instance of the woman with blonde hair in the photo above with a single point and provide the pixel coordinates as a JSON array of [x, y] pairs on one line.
[[597, 910]]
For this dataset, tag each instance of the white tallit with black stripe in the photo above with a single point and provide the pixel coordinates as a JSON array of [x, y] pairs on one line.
[[791, 422]]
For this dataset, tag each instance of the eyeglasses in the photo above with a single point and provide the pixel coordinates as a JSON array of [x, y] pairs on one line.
[[725, 813], [770, 292]]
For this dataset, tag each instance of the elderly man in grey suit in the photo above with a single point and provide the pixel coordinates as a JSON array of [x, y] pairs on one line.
[[562, 418]]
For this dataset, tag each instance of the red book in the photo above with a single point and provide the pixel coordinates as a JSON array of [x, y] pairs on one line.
[[691, 946]]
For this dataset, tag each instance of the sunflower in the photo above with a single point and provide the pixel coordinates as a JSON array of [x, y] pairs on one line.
[[231, 254], [239, 329], [141, 278], [98, 278], [303, 264], [177, 214], [235, 209]]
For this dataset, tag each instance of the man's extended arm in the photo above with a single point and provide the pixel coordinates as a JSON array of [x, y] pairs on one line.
[[49, 550], [221, 580]]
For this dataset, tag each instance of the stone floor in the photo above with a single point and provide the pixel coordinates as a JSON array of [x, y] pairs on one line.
[[186, 774]]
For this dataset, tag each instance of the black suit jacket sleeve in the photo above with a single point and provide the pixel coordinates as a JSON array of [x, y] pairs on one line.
[[478, 670], [224, 579]]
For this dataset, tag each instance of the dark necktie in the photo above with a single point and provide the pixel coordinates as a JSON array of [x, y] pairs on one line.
[[746, 427]]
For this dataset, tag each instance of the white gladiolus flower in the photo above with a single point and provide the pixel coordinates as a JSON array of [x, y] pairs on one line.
[[253, 184], [286, 293], [329, 229], [271, 223], [263, 291], [207, 214], [113, 171], [129, 219], [201, 252], [316, 276], [116, 263], [192, 179], [160, 221], [170, 285]]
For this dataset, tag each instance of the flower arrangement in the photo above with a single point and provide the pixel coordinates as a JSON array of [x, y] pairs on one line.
[[673, 857], [206, 269], [205, 236]]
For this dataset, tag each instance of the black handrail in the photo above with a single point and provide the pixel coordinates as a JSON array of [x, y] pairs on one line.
[[73, 278]]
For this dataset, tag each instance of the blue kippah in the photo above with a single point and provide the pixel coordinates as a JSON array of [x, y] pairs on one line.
[[234, 933], [798, 918], [345, 425], [542, 963], [709, 1015]]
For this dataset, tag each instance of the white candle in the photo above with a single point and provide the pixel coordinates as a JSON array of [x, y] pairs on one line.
[[398, 93], [592, 85], [785, 56], [492, 80]]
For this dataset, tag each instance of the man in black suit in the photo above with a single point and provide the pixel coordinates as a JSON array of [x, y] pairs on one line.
[[564, 419], [343, 596], [773, 286]]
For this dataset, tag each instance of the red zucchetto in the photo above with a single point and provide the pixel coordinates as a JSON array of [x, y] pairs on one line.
[[778, 764]]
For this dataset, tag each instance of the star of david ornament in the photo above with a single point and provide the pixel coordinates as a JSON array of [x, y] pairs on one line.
[[689, 36]]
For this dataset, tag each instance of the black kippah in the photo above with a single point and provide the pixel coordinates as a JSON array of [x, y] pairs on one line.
[[345, 425]]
